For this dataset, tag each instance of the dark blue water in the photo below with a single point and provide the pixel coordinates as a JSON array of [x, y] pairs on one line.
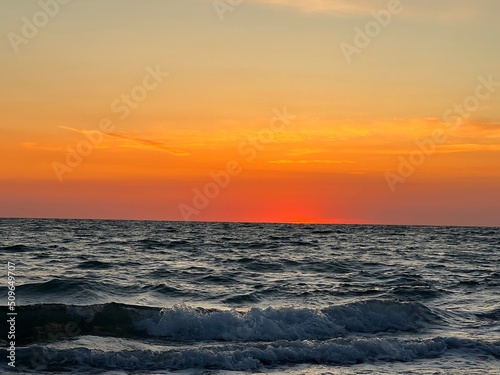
[[124, 297]]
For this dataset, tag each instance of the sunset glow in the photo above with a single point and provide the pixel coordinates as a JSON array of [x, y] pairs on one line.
[[109, 115]]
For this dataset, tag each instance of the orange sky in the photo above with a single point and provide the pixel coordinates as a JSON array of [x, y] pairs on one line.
[[171, 94]]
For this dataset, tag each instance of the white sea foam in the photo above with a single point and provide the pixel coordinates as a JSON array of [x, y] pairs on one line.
[[185, 323], [251, 356]]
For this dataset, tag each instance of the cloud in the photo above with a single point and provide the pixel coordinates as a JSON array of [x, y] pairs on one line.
[[328, 6], [150, 144], [428, 9], [134, 142]]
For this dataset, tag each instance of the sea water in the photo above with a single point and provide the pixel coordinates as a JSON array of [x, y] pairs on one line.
[[137, 297]]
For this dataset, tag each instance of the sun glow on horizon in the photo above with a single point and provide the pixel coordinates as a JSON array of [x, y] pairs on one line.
[[257, 116]]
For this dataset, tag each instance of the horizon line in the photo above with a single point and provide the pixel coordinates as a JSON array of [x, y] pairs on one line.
[[253, 222]]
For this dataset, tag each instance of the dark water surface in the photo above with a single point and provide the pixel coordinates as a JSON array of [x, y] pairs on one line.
[[122, 297]]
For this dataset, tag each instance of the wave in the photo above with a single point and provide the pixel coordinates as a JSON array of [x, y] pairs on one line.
[[16, 249], [150, 244], [288, 323], [95, 265], [255, 356], [182, 323], [37, 250], [60, 286], [493, 314]]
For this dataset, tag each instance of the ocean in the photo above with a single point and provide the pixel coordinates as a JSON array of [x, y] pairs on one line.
[[144, 297]]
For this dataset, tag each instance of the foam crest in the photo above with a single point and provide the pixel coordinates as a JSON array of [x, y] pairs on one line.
[[185, 323], [249, 357]]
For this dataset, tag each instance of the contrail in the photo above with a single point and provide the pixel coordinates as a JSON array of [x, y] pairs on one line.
[[145, 142]]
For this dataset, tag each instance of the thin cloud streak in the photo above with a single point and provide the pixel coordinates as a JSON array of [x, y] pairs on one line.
[[332, 6], [445, 10], [140, 141], [152, 144]]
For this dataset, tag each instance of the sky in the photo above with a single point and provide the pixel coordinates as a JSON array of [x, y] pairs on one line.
[[301, 111]]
